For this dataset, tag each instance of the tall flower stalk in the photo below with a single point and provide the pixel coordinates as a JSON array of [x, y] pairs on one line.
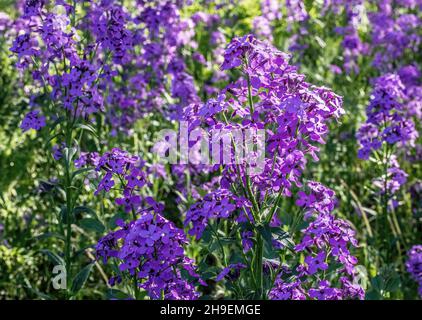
[[148, 249], [68, 77], [387, 129], [270, 95]]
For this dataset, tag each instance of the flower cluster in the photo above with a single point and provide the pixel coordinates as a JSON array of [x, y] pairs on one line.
[[271, 11], [151, 250], [388, 124], [393, 113], [219, 204], [150, 247], [109, 28], [330, 238], [353, 46], [137, 45], [297, 20], [294, 112], [295, 115], [393, 33], [325, 242], [48, 47], [320, 199], [386, 121], [149, 44], [324, 291], [414, 265], [391, 182], [131, 172], [411, 77], [33, 120]]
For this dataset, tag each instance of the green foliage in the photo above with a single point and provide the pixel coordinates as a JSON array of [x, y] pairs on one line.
[[32, 200]]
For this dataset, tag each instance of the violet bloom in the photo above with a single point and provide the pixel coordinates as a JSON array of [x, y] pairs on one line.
[[287, 291], [151, 250], [325, 292], [389, 123], [5, 22], [33, 7], [386, 111], [33, 120], [262, 28], [393, 33], [87, 159], [129, 169], [218, 204], [295, 115], [414, 265], [231, 271]]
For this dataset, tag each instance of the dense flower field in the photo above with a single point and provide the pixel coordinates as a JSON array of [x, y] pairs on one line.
[[172, 149]]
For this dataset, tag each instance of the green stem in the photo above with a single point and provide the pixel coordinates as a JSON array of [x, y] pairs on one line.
[[250, 100], [69, 209], [258, 270], [259, 246], [135, 287], [215, 232]]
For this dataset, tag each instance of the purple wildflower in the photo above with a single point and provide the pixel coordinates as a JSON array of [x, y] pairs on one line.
[[414, 265], [33, 120]]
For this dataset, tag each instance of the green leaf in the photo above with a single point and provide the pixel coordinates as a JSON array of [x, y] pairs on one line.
[[48, 235], [283, 237], [265, 232], [81, 171], [40, 294], [88, 128], [53, 257], [91, 224], [117, 294], [69, 153], [64, 215], [269, 234], [80, 279], [88, 210]]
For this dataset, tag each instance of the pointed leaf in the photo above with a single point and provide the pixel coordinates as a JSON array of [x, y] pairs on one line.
[[53, 257], [90, 224], [80, 278]]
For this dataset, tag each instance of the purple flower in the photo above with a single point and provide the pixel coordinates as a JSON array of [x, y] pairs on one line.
[[321, 199], [58, 151], [33, 120], [316, 263], [87, 159], [414, 265], [325, 292], [151, 249], [287, 291], [231, 269], [295, 115], [247, 242], [33, 7], [388, 122], [262, 28], [218, 204]]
